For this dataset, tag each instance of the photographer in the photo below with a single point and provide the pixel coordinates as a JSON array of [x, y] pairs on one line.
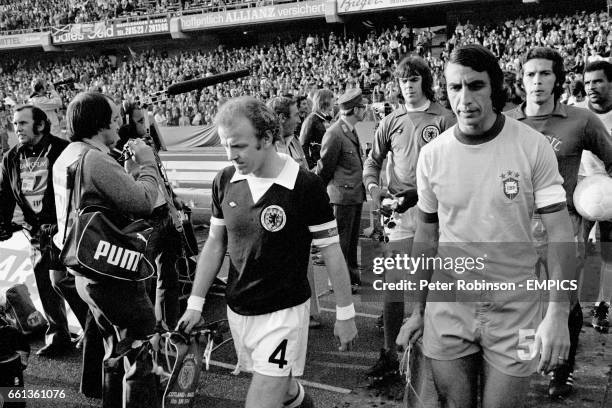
[[122, 309], [49, 101], [26, 182], [165, 242]]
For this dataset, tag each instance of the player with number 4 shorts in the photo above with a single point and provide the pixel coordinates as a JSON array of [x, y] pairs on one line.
[[266, 211]]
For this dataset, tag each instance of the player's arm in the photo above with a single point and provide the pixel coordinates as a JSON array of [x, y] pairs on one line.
[[209, 261], [599, 141], [373, 164], [324, 229], [208, 266], [425, 245], [552, 335]]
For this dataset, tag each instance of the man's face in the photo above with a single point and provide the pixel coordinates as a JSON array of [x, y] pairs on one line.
[[539, 81], [246, 152], [290, 122], [26, 133], [598, 87], [412, 90], [303, 108], [139, 123], [111, 135], [469, 93]]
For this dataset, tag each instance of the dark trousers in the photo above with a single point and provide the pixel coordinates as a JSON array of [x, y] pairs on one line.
[[165, 248], [122, 310], [349, 222], [55, 285]]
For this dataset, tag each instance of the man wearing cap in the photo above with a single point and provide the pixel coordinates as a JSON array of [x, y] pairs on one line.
[[340, 167]]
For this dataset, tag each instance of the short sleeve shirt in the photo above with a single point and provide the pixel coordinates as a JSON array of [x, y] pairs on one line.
[[269, 239]]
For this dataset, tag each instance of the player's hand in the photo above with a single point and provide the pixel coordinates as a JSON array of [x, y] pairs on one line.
[[411, 330], [346, 332], [142, 152], [551, 343], [189, 319], [377, 195]]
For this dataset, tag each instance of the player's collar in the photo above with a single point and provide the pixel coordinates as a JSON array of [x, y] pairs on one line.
[[286, 178], [97, 144], [559, 110]]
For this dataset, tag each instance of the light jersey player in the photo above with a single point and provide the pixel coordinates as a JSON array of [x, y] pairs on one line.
[[266, 211], [399, 139], [598, 82], [570, 131], [479, 184]]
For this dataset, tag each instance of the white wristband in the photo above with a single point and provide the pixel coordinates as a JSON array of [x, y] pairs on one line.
[[195, 303], [370, 187], [345, 312]]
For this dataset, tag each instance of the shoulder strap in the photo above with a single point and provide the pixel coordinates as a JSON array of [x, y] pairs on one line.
[[76, 185]]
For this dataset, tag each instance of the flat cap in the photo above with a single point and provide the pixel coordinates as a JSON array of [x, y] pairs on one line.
[[350, 99]]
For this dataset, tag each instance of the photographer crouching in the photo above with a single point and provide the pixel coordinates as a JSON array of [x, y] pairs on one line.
[[121, 308]]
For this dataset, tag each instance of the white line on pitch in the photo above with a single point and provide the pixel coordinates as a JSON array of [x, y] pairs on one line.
[[371, 316], [310, 384]]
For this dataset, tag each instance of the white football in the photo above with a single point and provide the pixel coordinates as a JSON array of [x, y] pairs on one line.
[[593, 198]]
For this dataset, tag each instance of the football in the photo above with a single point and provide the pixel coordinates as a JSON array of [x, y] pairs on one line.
[[593, 198]]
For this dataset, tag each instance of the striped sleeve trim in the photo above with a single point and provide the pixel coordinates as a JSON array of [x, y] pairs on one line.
[[325, 234], [323, 242], [217, 221]]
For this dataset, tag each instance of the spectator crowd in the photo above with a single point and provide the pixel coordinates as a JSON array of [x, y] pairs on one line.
[[300, 66]]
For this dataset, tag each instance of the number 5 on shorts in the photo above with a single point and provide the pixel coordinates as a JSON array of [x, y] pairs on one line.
[[526, 344], [281, 349]]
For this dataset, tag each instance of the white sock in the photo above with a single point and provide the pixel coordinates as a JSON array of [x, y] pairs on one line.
[[296, 401]]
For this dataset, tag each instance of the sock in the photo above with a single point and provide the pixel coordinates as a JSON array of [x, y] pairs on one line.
[[296, 401], [575, 325]]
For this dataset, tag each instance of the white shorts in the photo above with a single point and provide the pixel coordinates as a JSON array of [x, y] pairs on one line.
[[405, 225], [272, 344]]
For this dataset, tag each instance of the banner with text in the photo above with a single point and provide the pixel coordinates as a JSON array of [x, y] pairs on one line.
[[290, 11], [106, 31], [21, 40], [355, 6]]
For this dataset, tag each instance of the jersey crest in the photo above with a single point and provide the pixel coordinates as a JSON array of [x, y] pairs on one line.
[[429, 133], [187, 374], [510, 184], [273, 218]]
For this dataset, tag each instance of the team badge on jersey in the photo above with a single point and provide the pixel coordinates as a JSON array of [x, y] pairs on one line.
[[273, 218], [429, 133], [510, 183], [187, 374]]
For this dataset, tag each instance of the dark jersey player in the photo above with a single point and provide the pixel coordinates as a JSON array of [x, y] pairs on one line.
[[570, 131], [266, 211]]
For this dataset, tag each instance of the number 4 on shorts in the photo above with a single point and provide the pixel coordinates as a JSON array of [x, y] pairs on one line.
[[278, 355]]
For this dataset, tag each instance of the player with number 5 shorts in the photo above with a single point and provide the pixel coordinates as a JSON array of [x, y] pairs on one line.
[[266, 210], [478, 185]]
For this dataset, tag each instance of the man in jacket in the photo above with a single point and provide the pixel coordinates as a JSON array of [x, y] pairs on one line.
[[26, 181], [340, 167]]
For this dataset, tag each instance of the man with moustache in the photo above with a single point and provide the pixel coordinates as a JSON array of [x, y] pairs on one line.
[[598, 81], [401, 135], [570, 131], [26, 181], [479, 182]]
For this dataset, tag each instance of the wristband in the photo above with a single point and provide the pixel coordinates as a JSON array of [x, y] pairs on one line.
[[370, 187], [345, 312], [195, 303]]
